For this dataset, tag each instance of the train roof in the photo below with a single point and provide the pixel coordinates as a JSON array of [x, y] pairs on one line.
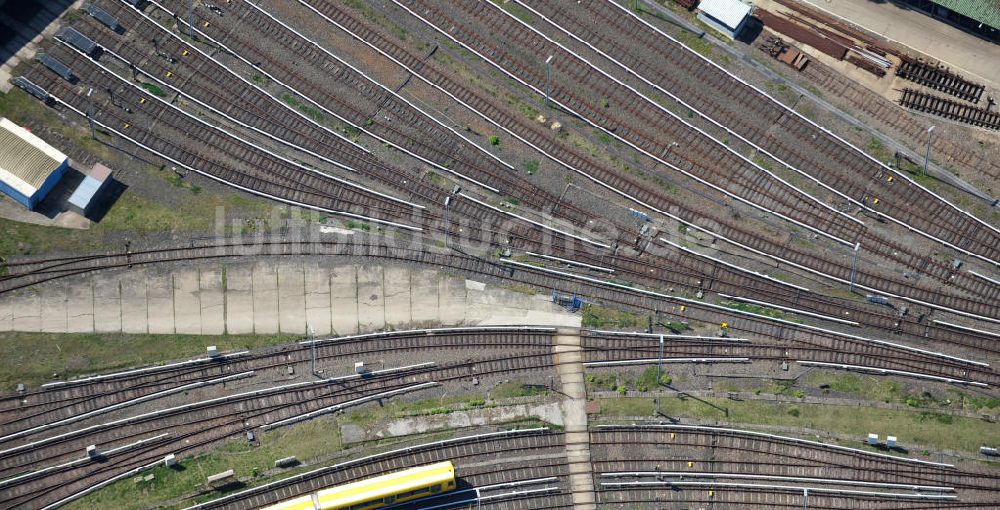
[[387, 485]]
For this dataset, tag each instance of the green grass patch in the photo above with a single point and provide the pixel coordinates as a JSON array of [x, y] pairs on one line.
[[134, 213], [32, 358], [357, 225], [290, 100], [525, 109], [877, 150], [604, 138], [531, 167], [516, 10], [306, 441], [131, 213], [514, 389], [494, 140], [397, 409], [312, 113], [595, 316], [437, 179], [647, 380], [258, 79], [695, 43], [628, 406], [912, 427], [602, 381], [399, 32], [153, 89], [764, 163], [752, 308], [867, 387]]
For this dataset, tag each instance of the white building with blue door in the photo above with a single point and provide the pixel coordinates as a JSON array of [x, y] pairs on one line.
[[29, 167]]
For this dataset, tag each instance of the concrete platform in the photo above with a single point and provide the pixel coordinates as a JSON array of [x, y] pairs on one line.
[[270, 296], [965, 53]]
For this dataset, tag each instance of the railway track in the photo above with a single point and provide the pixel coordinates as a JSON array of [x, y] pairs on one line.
[[358, 100], [633, 119], [943, 107], [670, 269], [952, 333], [193, 427], [622, 184], [464, 452], [604, 348], [218, 154], [478, 220], [980, 282], [581, 26], [599, 291], [56, 402], [810, 148], [694, 452], [692, 65]]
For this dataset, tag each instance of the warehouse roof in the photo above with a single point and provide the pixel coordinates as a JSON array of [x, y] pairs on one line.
[[25, 160], [729, 12], [986, 12]]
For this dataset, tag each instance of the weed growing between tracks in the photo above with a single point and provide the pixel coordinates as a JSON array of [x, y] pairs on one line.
[[32, 358], [595, 316], [914, 428]]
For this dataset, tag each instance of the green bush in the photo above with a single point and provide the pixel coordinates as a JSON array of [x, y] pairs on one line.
[[494, 140], [153, 89]]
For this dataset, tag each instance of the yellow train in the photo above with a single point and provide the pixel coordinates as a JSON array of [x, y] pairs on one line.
[[384, 490]]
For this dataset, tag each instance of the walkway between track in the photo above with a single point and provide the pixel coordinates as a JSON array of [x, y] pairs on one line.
[[569, 365]]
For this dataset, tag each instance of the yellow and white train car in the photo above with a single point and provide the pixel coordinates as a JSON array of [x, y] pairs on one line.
[[384, 490]]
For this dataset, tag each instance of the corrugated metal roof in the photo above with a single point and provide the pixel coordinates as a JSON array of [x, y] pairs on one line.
[[25, 160], [983, 11], [85, 192], [729, 12]]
